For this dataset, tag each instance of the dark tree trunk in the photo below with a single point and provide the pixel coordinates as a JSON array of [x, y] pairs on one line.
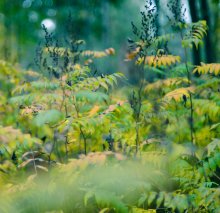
[[106, 22], [206, 15], [217, 37], [157, 3], [195, 18]]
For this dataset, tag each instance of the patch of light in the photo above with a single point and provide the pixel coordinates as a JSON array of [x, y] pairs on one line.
[[27, 3], [49, 24], [187, 14], [51, 12], [33, 16]]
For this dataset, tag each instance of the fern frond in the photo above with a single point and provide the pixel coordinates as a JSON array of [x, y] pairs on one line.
[[163, 38], [92, 97], [170, 82], [6, 69], [197, 33], [212, 161], [22, 99], [164, 60], [35, 86], [213, 68], [98, 54], [209, 83], [94, 83], [213, 148], [210, 108], [61, 51], [178, 94], [13, 138]]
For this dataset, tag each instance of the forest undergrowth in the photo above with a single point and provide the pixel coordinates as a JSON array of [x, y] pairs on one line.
[[75, 140]]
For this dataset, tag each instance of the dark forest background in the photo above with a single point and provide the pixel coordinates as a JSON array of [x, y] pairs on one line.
[[99, 23]]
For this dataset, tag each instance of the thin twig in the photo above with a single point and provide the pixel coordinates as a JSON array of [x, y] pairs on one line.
[[81, 130], [190, 94], [141, 78]]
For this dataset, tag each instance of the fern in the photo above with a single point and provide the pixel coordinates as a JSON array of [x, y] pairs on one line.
[[208, 69], [98, 54], [61, 51], [92, 83], [178, 94], [92, 97], [195, 35], [158, 61], [13, 140], [163, 136], [170, 82], [164, 60], [163, 38], [207, 107], [35, 86]]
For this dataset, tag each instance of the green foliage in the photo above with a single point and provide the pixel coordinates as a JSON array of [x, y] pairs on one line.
[[196, 32], [73, 141], [208, 69]]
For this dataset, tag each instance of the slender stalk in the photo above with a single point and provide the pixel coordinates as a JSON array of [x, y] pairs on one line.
[[52, 148], [66, 147], [141, 78], [178, 121], [191, 122], [190, 95], [63, 98], [84, 139], [81, 130], [63, 103]]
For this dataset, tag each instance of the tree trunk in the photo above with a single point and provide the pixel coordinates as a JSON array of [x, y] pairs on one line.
[[195, 18], [106, 22], [206, 15]]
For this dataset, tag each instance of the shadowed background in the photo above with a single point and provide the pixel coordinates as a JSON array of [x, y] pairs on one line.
[[101, 23]]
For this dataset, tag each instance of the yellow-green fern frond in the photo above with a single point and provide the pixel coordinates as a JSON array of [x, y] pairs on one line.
[[98, 54], [164, 60], [207, 107], [196, 34], [61, 51], [12, 138], [213, 68], [166, 83], [163, 38], [178, 94]]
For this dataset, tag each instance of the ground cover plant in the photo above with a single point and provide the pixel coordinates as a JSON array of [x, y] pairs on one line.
[[76, 139]]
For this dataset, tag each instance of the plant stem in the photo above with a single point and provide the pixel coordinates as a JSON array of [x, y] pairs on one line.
[[141, 78], [81, 130], [84, 139], [66, 146], [190, 95], [63, 103], [53, 146]]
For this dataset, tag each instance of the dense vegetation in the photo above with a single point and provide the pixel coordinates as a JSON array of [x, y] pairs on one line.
[[75, 140]]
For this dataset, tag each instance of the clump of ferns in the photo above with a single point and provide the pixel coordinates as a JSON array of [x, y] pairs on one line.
[[147, 42], [190, 34], [71, 66], [57, 59]]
